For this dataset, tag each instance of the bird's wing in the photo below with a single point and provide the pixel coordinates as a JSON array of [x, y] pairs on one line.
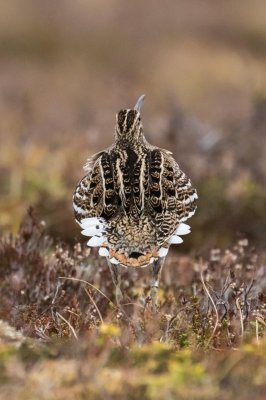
[[172, 199], [186, 195], [95, 195]]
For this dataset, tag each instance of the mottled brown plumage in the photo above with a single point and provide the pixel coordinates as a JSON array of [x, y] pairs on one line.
[[134, 198]]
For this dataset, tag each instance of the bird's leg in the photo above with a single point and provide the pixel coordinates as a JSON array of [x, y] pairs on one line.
[[116, 277], [156, 270]]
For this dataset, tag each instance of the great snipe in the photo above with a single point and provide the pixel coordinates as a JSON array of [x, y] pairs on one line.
[[133, 201]]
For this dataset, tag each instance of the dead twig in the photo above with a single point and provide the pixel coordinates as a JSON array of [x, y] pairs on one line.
[[68, 323], [240, 317], [257, 331], [213, 304], [95, 305], [88, 283]]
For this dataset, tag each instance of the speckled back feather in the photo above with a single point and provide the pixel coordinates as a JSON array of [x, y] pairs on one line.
[[135, 195]]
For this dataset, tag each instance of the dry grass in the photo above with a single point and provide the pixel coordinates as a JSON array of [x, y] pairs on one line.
[[207, 310]]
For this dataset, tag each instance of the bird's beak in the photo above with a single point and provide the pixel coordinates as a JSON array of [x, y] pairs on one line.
[[139, 103]]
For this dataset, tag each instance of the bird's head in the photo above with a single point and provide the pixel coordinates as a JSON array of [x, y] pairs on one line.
[[129, 129]]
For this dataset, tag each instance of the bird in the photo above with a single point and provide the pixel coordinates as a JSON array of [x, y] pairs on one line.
[[133, 201]]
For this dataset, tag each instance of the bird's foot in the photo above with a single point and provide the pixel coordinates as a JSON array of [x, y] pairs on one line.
[[154, 302], [118, 296], [122, 315]]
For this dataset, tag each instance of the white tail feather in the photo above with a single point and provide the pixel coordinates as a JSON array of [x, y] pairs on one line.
[[163, 251], [96, 241], [91, 231], [114, 260], [93, 221], [175, 240], [183, 229], [103, 252]]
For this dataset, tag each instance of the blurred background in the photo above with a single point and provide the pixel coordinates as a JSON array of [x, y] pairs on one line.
[[67, 67]]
